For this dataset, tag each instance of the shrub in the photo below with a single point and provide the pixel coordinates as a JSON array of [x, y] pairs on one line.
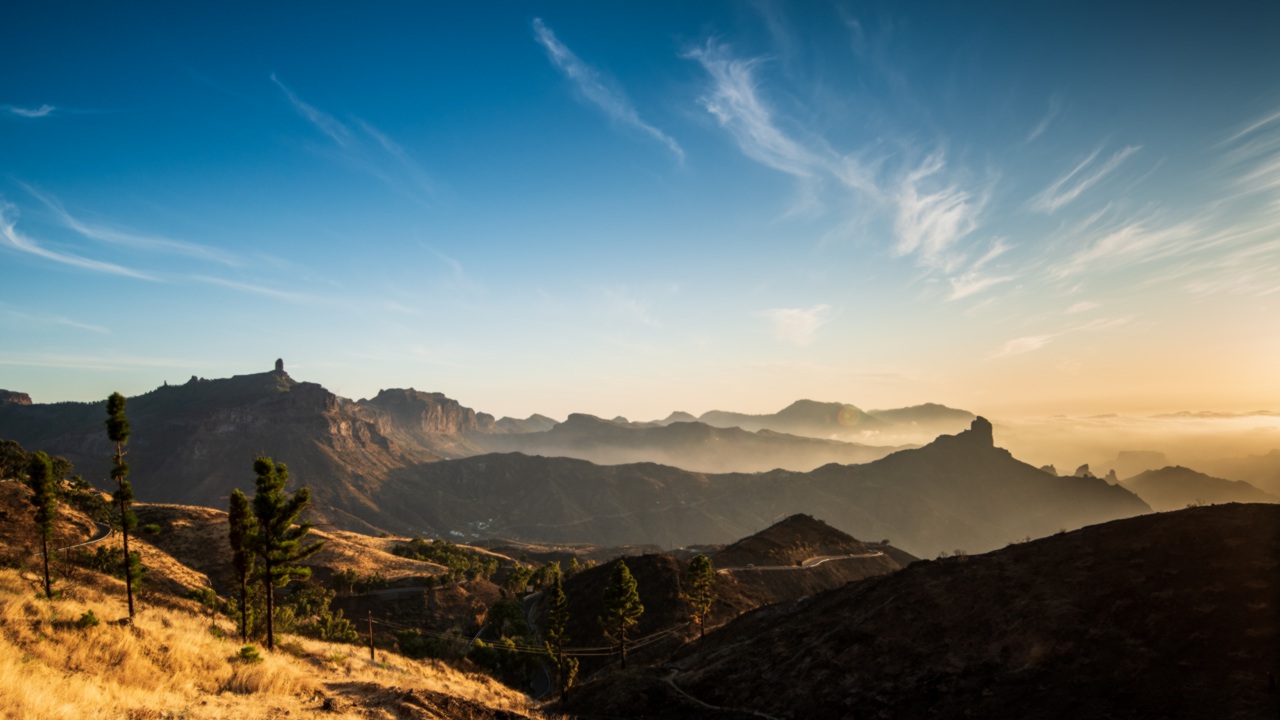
[[151, 529], [87, 620], [249, 655]]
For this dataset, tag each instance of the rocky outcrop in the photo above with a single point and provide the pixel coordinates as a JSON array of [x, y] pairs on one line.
[[431, 413], [9, 397]]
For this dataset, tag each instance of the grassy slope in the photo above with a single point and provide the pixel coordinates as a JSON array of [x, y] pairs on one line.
[[170, 662]]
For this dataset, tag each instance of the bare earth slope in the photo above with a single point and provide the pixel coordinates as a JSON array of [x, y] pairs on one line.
[[1165, 615]]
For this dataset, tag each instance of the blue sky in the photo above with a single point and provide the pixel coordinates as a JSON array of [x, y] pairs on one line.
[[633, 208]]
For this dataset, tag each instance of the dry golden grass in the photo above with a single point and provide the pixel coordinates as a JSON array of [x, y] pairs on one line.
[[169, 664]]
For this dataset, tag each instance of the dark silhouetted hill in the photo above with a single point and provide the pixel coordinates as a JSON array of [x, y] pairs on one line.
[[1165, 615]]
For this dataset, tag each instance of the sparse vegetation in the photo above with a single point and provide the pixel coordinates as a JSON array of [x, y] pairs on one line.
[[171, 664], [462, 563]]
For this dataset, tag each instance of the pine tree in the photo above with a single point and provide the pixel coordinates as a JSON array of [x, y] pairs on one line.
[[622, 608], [118, 432], [702, 590], [44, 498], [278, 540], [557, 635], [241, 526]]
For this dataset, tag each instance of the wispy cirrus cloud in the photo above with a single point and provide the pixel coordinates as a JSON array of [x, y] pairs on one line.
[[1082, 177], [16, 240], [1029, 343], [124, 238], [43, 319], [797, 325], [931, 212], [597, 90], [266, 289], [1055, 107], [369, 151], [1134, 242], [736, 105], [30, 112], [972, 283], [932, 217]]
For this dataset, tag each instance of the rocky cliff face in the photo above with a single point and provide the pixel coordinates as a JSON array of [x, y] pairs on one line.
[[14, 398], [431, 413]]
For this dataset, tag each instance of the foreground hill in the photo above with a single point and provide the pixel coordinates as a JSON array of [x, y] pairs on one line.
[[689, 445], [959, 492], [1168, 615], [812, 557], [1173, 488]]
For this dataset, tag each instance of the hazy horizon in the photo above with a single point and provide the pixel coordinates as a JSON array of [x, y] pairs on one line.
[[637, 208]]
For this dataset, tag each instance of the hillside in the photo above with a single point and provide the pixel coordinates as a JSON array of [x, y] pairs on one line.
[[1173, 488], [1166, 615], [692, 446]]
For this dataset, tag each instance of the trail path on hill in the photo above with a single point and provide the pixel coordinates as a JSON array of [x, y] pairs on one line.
[[670, 679], [103, 532], [810, 563]]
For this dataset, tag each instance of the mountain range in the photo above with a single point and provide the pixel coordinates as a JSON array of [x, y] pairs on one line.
[[411, 462]]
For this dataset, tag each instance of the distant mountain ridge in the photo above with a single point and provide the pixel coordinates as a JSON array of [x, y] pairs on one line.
[[831, 420], [412, 462], [1176, 487], [690, 445]]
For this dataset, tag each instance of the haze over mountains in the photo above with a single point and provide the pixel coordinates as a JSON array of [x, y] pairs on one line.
[[411, 462]]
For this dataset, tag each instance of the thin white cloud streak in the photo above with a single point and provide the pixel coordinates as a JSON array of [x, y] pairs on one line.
[[797, 325], [128, 239], [1082, 306], [42, 111], [1134, 243], [1030, 343], [383, 159], [326, 123], [739, 110], [593, 87], [1022, 345], [89, 362], [1253, 127], [12, 237], [972, 283], [42, 319], [1055, 106], [264, 290], [1069, 187]]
